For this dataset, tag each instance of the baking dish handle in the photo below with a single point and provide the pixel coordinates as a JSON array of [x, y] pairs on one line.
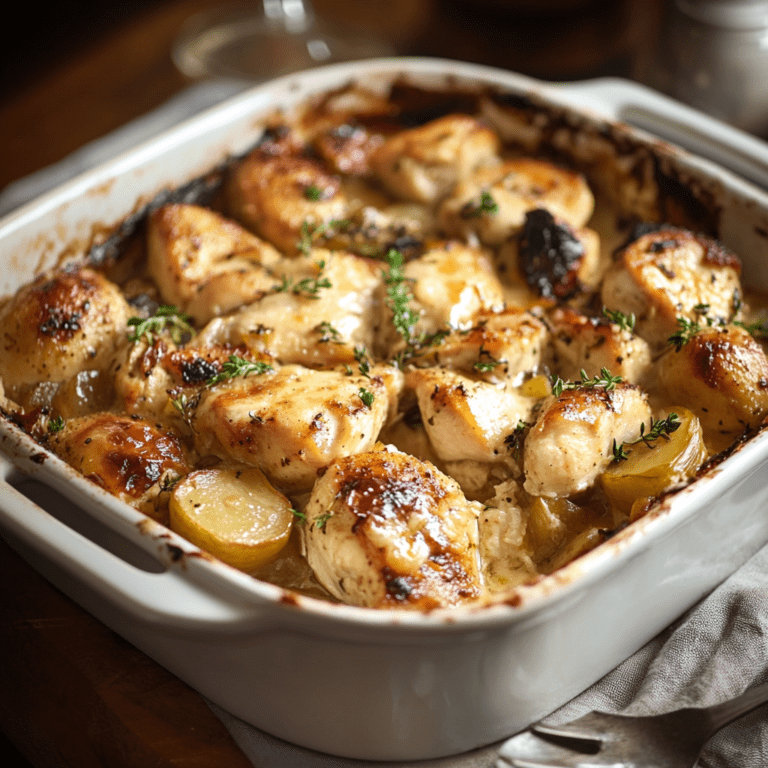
[[637, 105], [165, 598]]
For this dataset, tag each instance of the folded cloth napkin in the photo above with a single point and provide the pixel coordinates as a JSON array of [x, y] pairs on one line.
[[714, 652]]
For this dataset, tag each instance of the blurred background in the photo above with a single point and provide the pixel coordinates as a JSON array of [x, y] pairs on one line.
[[81, 69]]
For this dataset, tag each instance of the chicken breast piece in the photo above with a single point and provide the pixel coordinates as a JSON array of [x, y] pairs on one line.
[[346, 148], [467, 419], [386, 530], [669, 274], [59, 325], [721, 374], [450, 285], [502, 525], [204, 263], [499, 347], [294, 422], [422, 164], [323, 307], [128, 457], [492, 204], [572, 440], [590, 344], [285, 198]]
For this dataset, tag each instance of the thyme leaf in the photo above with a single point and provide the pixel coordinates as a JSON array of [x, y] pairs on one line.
[[625, 322], [399, 296], [166, 318], [56, 424], [366, 396], [687, 329], [486, 362], [486, 205], [238, 366], [605, 380], [310, 232], [308, 286], [328, 334], [662, 428], [757, 329]]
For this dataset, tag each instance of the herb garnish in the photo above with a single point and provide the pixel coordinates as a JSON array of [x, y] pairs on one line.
[[625, 322], [56, 424], [166, 318], [308, 286], [605, 380], [485, 361], [403, 316], [366, 396], [687, 330], [321, 520], [757, 329], [328, 334], [363, 364], [313, 192], [662, 428], [514, 441], [311, 231], [487, 205], [238, 366], [398, 296]]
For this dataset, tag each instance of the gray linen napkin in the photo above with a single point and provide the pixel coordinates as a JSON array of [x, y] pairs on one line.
[[716, 651]]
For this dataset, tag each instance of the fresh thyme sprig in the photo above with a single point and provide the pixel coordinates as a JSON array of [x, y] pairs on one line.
[[56, 424], [310, 231], [687, 329], [757, 329], [313, 192], [486, 362], [404, 317], [486, 205], [363, 363], [308, 286], [321, 520], [328, 334], [166, 318], [238, 366], [604, 380], [366, 396], [624, 321], [398, 296], [180, 403], [514, 440], [662, 428]]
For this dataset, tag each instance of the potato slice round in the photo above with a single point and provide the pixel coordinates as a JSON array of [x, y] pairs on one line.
[[650, 470], [234, 514]]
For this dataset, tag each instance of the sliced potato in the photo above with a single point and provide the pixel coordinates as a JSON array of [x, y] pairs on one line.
[[235, 514], [650, 470]]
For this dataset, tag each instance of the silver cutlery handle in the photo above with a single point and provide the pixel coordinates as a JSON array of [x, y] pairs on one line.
[[733, 709]]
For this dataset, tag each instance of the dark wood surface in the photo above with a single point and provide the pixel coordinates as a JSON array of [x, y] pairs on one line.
[[72, 693]]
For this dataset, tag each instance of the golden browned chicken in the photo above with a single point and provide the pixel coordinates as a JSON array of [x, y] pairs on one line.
[[386, 530], [59, 325]]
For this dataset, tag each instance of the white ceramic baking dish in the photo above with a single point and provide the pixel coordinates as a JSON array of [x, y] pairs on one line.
[[372, 684]]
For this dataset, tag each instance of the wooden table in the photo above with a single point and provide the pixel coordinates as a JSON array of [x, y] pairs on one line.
[[71, 692]]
